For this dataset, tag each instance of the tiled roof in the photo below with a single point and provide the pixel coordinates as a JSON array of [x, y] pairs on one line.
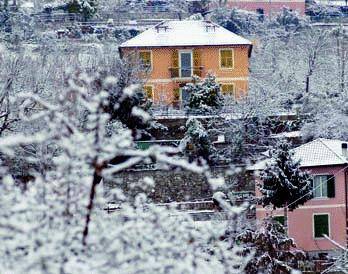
[[320, 152], [186, 33]]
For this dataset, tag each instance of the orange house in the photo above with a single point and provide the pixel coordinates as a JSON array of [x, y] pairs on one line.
[[170, 53]]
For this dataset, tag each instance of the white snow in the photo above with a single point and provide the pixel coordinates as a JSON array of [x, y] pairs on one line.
[[186, 33], [320, 152], [291, 134]]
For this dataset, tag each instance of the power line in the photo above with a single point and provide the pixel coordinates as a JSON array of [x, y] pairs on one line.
[[333, 176]]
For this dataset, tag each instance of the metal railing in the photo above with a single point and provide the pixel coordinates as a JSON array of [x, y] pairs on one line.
[[178, 108], [185, 72]]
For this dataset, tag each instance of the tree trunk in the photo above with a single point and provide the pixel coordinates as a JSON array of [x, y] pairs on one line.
[[307, 83], [286, 218], [96, 180]]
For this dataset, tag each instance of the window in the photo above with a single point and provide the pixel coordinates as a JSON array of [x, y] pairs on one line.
[[186, 69], [226, 58], [227, 89], [324, 186], [145, 59], [321, 225], [279, 219], [148, 91]]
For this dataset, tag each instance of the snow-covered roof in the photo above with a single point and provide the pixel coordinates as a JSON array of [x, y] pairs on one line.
[[291, 134], [185, 33], [320, 152]]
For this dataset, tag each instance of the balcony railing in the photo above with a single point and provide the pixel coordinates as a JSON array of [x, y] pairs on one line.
[[180, 72]]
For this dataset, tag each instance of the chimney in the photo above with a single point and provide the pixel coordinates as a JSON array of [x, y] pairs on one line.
[[210, 28], [345, 150], [164, 28]]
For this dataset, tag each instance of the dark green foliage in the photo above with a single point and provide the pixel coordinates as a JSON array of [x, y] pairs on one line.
[[283, 182], [205, 96], [87, 8]]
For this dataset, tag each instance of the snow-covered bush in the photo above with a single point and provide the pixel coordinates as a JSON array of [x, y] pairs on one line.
[[56, 224], [205, 95], [273, 251], [196, 143]]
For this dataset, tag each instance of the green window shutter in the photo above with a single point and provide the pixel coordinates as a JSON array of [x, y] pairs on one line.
[[175, 64], [321, 225], [197, 62], [330, 186]]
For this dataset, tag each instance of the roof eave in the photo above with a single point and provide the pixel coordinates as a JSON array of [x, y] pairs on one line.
[[180, 46], [324, 165]]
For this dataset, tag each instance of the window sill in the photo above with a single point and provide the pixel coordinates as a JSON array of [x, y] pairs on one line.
[[321, 238], [227, 69]]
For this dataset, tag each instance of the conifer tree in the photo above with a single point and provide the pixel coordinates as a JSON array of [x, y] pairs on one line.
[[87, 8], [284, 184]]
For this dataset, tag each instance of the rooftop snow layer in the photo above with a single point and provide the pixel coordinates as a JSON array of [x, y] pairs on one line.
[[186, 33], [320, 152]]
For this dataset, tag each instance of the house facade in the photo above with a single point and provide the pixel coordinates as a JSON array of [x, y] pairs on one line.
[[268, 7], [170, 53], [327, 212]]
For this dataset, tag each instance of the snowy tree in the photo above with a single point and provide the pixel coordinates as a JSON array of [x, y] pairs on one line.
[[196, 143], [238, 21], [87, 8], [284, 184], [326, 124], [58, 223], [273, 252], [205, 95], [289, 20]]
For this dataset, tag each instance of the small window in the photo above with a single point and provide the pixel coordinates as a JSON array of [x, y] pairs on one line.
[[321, 225], [324, 186], [148, 91], [145, 59], [227, 90], [279, 219], [226, 58]]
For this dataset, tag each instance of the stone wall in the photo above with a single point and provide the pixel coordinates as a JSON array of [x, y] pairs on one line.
[[175, 185]]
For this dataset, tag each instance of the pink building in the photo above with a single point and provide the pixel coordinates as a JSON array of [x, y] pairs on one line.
[[268, 6], [327, 212]]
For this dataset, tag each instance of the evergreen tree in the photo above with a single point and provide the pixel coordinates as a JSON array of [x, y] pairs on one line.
[[205, 96], [87, 8], [284, 184], [196, 144]]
